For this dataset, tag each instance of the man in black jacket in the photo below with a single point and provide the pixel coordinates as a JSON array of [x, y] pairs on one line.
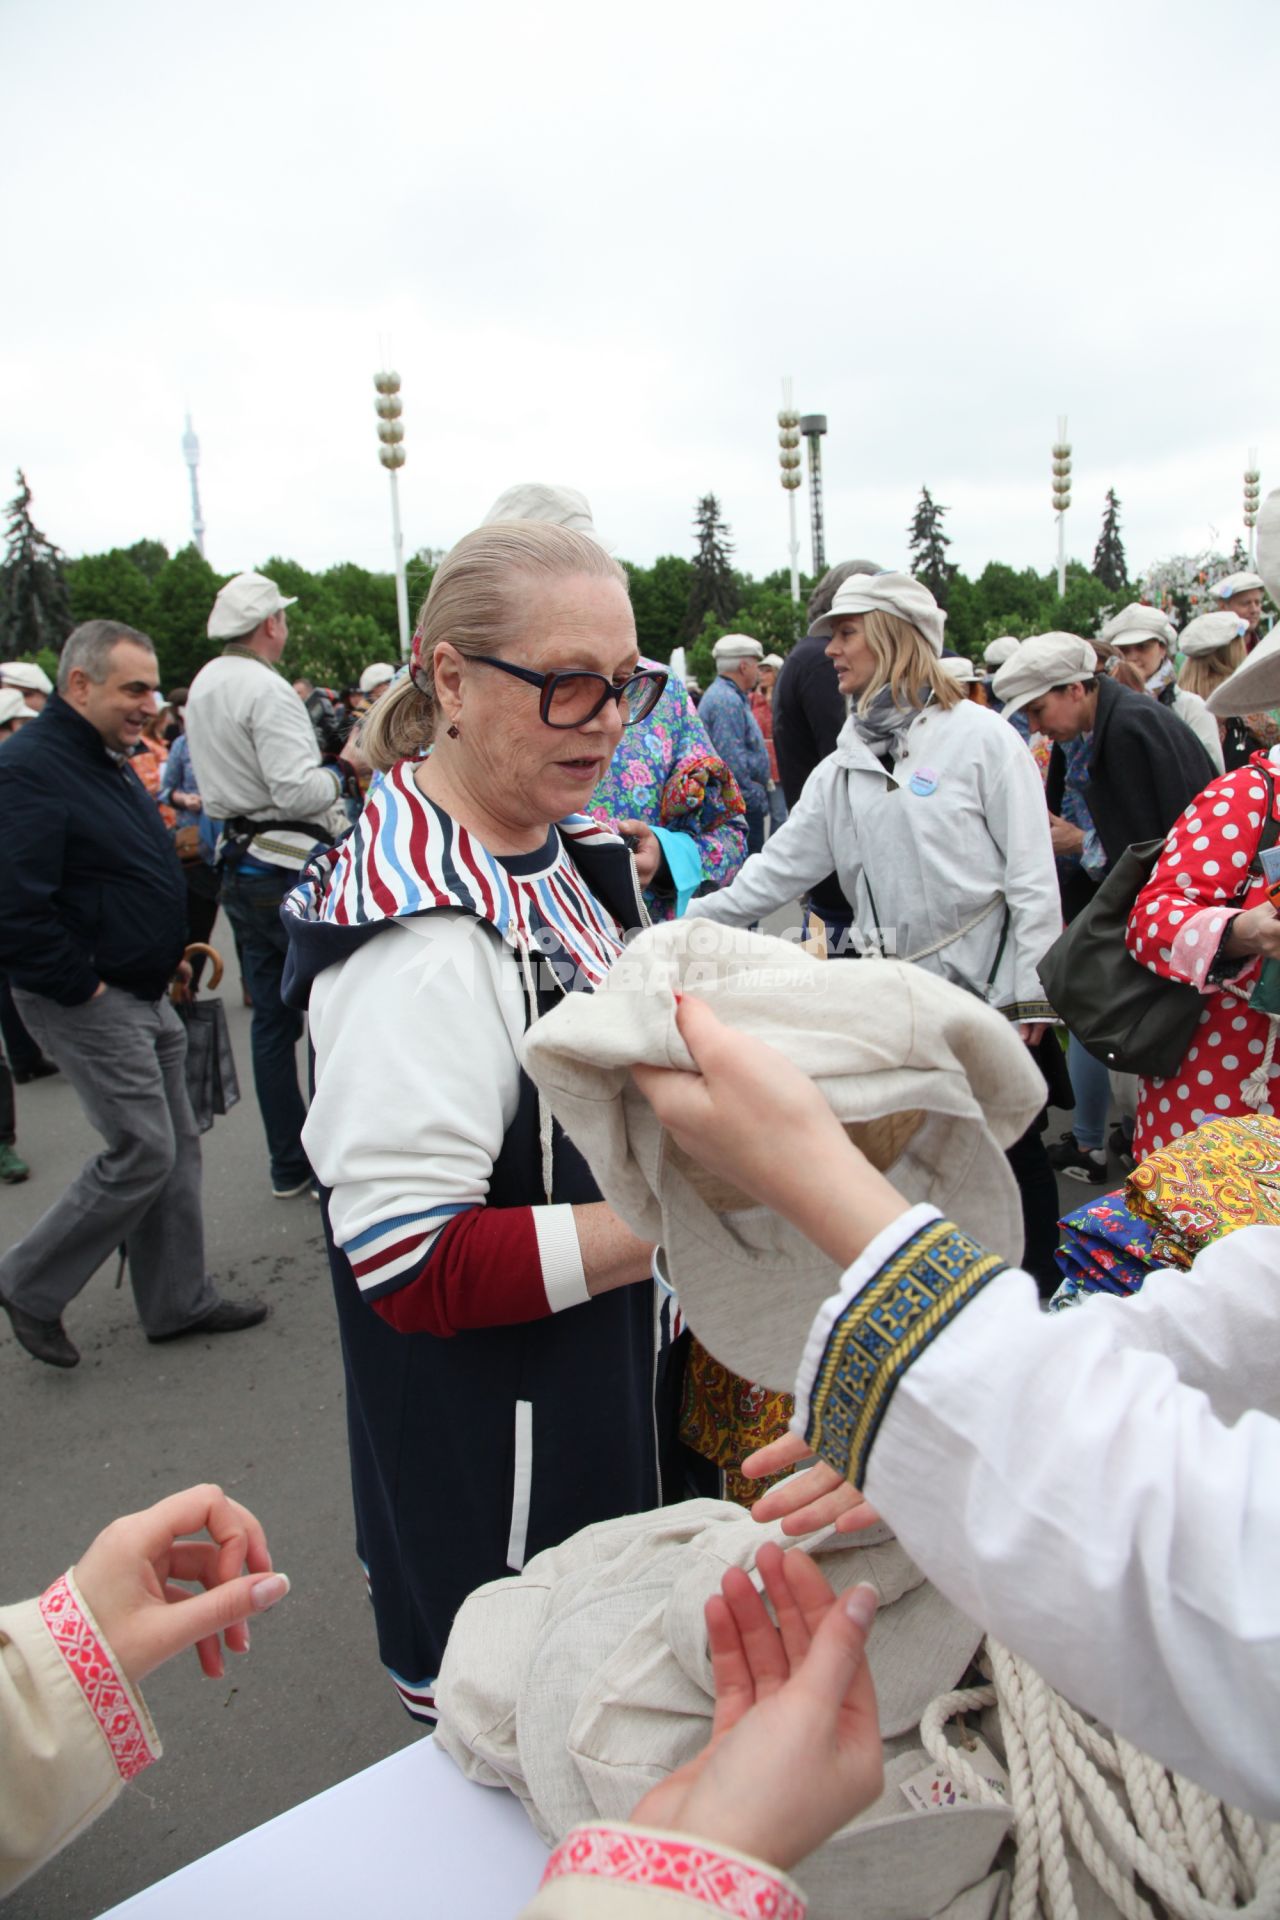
[[92, 925]]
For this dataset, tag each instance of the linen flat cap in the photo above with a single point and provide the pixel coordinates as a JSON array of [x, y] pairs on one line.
[[379, 674], [736, 646], [1001, 649], [13, 706], [1255, 684], [1237, 583], [1135, 624], [1045, 661], [244, 603], [934, 1082], [540, 500], [896, 593], [959, 669], [774, 660], [25, 674], [1210, 631]]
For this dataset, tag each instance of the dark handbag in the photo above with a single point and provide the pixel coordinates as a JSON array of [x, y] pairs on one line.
[[1131, 1019], [213, 1086]]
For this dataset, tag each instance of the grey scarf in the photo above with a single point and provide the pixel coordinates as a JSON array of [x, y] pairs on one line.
[[882, 725]]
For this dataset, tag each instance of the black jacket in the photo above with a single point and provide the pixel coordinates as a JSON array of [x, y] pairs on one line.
[[1145, 767], [90, 886], [808, 713]]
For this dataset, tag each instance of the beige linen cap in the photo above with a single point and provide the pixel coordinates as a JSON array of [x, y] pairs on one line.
[[896, 593], [379, 674], [736, 646], [937, 1083], [244, 603], [1255, 684], [13, 706], [1237, 583], [540, 500], [1135, 624], [25, 674], [1001, 649], [774, 660], [960, 670], [1045, 661], [1209, 632]]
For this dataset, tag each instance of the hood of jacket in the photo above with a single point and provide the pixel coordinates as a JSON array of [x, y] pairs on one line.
[[406, 856]]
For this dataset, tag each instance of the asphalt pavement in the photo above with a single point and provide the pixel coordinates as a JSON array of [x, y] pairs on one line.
[[260, 1412]]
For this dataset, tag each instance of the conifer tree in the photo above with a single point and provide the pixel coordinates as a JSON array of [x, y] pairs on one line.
[[1109, 563], [927, 545], [35, 611], [713, 588]]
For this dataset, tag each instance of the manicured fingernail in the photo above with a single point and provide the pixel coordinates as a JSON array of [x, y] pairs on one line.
[[860, 1604], [266, 1592]]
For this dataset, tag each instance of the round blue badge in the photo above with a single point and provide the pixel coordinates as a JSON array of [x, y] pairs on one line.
[[924, 782]]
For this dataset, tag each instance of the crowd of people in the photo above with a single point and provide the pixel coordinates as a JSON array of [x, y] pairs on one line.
[[418, 873]]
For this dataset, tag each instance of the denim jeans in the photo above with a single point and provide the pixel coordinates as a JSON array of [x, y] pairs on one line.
[[1091, 1084], [756, 818], [251, 898]]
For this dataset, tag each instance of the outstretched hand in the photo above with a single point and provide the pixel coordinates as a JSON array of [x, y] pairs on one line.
[[743, 1097], [133, 1578], [795, 1749], [807, 1501]]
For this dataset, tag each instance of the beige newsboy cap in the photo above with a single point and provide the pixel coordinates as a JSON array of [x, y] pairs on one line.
[[1255, 684], [896, 593], [731, 647], [957, 668], [1137, 623], [936, 1081], [1209, 632], [541, 500], [244, 603], [1045, 661], [1000, 649], [1235, 583], [13, 706], [27, 675]]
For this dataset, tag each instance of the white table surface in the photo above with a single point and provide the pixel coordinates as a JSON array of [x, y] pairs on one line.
[[408, 1836]]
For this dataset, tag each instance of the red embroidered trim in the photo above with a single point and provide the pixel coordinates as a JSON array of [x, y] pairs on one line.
[[676, 1866], [103, 1689]]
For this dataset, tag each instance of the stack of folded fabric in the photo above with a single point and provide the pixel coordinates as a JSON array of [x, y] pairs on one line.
[[1224, 1175]]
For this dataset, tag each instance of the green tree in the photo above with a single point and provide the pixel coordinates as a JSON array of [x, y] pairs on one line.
[[1083, 605], [712, 588], [149, 555], [660, 600], [927, 544], [110, 586], [336, 648], [181, 601], [1109, 563], [34, 609]]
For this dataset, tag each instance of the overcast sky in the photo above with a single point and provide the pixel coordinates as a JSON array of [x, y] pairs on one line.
[[595, 237]]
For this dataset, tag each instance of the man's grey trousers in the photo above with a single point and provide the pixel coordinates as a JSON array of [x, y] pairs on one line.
[[126, 1060]]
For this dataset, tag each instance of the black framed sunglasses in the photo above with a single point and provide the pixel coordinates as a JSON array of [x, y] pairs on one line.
[[574, 699]]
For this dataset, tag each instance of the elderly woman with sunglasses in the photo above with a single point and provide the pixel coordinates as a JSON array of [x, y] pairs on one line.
[[503, 1339]]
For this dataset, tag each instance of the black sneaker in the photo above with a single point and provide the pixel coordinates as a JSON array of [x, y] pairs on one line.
[[1077, 1162], [1121, 1145]]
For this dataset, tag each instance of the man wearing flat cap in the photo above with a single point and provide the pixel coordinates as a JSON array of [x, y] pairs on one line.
[[1242, 593], [261, 773], [1143, 766], [735, 733]]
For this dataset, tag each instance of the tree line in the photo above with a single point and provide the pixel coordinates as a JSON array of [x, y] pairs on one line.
[[345, 615]]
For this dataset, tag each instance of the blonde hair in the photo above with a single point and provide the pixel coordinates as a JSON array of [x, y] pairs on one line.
[[1205, 671], [905, 663], [475, 603]]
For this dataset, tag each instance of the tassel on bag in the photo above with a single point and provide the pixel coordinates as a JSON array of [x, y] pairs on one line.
[[1254, 1090]]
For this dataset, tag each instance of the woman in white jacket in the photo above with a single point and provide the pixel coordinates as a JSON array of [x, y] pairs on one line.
[[931, 812]]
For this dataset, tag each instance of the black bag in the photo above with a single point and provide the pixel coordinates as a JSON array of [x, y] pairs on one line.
[[212, 1085], [1131, 1019]]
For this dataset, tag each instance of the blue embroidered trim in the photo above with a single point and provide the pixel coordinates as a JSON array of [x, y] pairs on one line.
[[880, 1334]]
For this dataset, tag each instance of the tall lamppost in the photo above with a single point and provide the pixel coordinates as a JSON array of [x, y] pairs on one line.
[[391, 453], [191, 454], [813, 426], [789, 462], [1062, 496], [1252, 495]]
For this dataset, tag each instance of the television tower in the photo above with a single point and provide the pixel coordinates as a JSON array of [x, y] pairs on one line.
[[813, 426], [191, 454]]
